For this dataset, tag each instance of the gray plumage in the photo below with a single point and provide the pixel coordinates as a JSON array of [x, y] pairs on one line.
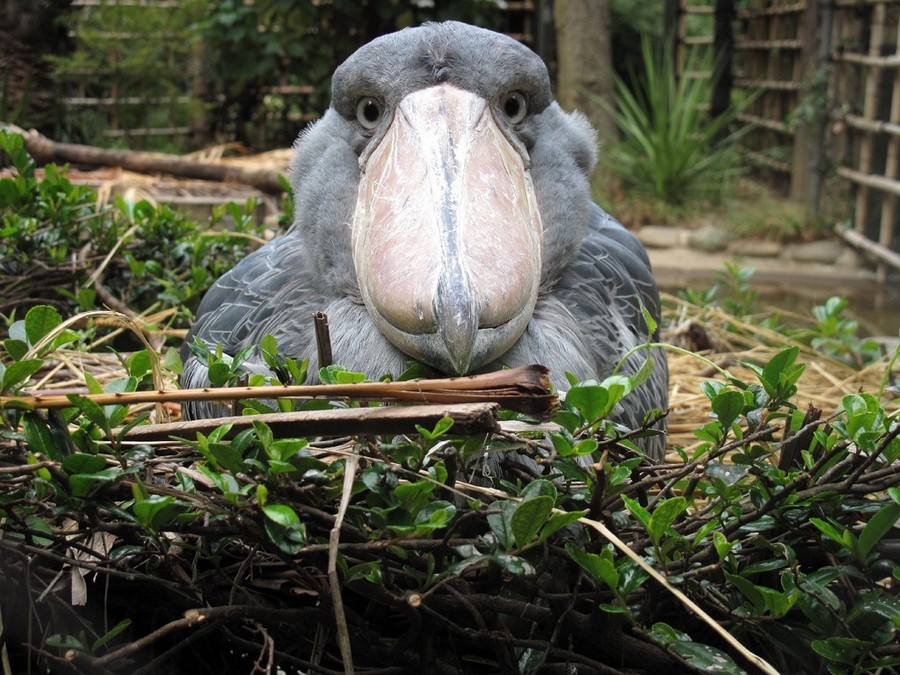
[[593, 272]]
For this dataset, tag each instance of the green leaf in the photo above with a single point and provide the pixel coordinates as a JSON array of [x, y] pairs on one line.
[[590, 401], [441, 427], [138, 364], [39, 321], [39, 436], [435, 516], [334, 374], [219, 373], [80, 462], [778, 375], [171, 361], [227, 456], [559, 520], [727, 405], [18, 372], [15, 348], [598, 567], [617, 387], [840, 649], [91, 410], [529, 517], [649, 320], [514, 564], [281, 514], [832, 532], [663, 516], [586, 446], [110, 635], [85, 484], [701, 657], [264, 434], [93, 384], [539, 487], [40, 525], [499, 522], [637, 511], [157, 510], [269, 348], [561, 444], [878, 526], [289, 539], [750, 591]]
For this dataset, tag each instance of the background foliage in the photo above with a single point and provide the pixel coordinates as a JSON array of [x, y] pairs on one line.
[[59, 246], [231, 71]]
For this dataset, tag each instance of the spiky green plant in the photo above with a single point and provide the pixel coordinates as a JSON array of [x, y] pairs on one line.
[[670, 148]]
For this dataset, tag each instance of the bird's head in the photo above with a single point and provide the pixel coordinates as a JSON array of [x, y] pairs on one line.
[[446, 236]]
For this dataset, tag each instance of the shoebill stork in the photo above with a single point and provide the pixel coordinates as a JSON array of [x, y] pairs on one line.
[[444, 215]]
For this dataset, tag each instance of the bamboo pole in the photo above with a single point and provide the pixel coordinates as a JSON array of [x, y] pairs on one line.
[[888, 207], [525, 389], [883, 254], [873, 126]]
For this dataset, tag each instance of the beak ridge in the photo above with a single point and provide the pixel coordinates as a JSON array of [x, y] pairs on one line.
[[446, 232]]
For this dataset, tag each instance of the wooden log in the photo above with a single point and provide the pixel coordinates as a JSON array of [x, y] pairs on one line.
[[468, 419], [45, 150]]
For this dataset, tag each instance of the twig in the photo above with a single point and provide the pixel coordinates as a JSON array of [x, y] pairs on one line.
[[334, 582], [191, 619], [323, 339], [468, 419], [607, 534], [4, 652], [26, 468], [95, 276]]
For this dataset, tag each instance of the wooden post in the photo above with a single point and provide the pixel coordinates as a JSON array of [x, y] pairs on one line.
[[870, 102], [723, 57], [585, 74], [817, 131], [672, 30], [803, 154]]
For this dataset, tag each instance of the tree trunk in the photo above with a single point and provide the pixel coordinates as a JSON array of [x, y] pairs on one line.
[[585, 76]]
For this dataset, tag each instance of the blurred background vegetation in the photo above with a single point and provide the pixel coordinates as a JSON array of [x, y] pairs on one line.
[[176, 76]]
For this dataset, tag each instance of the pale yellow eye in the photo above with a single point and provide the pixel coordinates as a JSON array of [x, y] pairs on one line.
[[514, 107], [368, 112]]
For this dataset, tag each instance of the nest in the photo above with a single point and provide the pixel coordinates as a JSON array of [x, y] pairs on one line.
[[214, 595]]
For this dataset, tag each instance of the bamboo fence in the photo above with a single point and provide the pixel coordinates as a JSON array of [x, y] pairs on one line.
[[827, 79]]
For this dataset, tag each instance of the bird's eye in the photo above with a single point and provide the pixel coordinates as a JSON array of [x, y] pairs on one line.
[[368, 112], [514, 107]]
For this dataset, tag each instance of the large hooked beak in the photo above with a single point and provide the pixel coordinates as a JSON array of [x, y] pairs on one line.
[[446, 233]]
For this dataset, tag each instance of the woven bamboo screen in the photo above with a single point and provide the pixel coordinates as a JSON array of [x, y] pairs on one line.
[[827, 80], [865, 51]]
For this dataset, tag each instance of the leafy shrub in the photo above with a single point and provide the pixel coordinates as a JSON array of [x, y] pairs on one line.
[[57, 243], [830, 332], [144, 57], [777, 525], [669, 147]]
